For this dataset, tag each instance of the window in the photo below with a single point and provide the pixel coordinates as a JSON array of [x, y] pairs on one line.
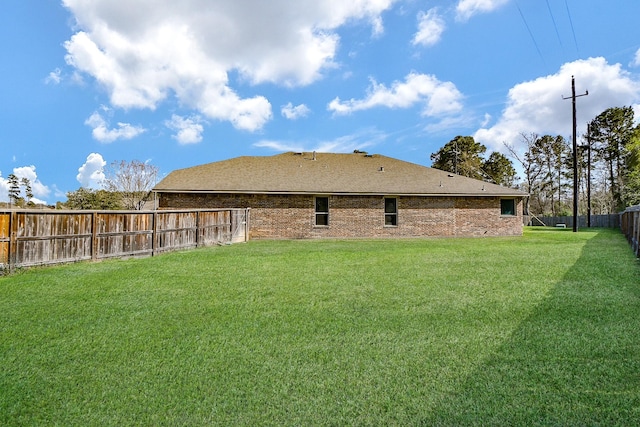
[[507, 207], [322, 211], [390, 211]]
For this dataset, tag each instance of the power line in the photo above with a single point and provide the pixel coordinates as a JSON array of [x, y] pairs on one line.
[[531, 34], [555, 26], [575, 41]]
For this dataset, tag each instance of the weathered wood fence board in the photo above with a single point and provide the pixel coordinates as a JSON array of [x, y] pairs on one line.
[[29, 238], [211, 230], [176, 230], [630, 226], [5, 231], [124, 234], [45, 239]]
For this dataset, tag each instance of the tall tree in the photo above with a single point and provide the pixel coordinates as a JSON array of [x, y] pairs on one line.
[[85, 198], [612, 133], [498, 169], [552, 154], [544, 163], [530, 166], [462, 155], [14, 189], [631, 195], [134, 180], [28, 192]]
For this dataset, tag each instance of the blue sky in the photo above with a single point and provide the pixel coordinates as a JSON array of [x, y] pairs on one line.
[[85, 83]]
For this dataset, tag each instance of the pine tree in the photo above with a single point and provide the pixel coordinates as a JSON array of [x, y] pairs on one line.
[[14, 189], [28, 192]]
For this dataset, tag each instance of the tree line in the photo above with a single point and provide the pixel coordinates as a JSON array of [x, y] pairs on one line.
[[608, 166], [18, 187], [127, 186]]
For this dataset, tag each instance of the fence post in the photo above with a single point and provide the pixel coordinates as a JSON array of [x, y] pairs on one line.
[[94, 236], [635, 218], [247, 223], [154, 231], [197, 229], [13, 241]]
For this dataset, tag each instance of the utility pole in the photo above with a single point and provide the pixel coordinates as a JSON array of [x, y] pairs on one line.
[[575, 153]]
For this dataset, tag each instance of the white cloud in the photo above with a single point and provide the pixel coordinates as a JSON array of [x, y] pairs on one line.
[[187, 48], [58, 193], [446, 124], [294, 113], [486, 120], [438, 98], [189, 130], [365, 138], [538, 106], [91, 173], [54, 77], [4, 189], [102, 133], [281, 146], [636, 59], [430, 28], [467, 8], [377, 27], [39, 190]]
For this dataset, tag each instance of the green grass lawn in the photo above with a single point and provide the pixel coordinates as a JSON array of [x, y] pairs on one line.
[[538, 330]]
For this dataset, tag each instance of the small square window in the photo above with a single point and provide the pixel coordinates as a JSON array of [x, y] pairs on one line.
[[322, 211], [390, 211], [508, 207]]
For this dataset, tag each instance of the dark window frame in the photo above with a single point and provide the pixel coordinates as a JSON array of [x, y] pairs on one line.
[[390, 211], [321, 212], [508, 207]]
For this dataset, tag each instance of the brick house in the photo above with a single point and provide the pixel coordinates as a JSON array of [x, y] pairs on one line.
[[316, 195]]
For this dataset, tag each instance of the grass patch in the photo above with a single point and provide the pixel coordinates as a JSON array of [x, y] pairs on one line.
[[538, 330]]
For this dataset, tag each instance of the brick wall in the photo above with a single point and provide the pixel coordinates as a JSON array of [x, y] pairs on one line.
[[292, 216]]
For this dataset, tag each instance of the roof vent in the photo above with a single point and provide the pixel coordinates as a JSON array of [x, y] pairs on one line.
[[450, 176], [381, 169]]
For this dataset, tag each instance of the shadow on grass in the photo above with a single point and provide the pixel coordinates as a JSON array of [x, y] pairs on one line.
[[554, 229], [574, 361]]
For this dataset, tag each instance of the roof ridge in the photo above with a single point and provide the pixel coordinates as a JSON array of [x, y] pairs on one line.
[[326, 172]]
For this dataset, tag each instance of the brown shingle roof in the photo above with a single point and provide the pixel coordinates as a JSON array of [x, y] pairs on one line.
[[325, 173]]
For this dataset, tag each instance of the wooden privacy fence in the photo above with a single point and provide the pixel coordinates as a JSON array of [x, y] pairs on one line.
[[604, 221], [29, 237], [630, 226]]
